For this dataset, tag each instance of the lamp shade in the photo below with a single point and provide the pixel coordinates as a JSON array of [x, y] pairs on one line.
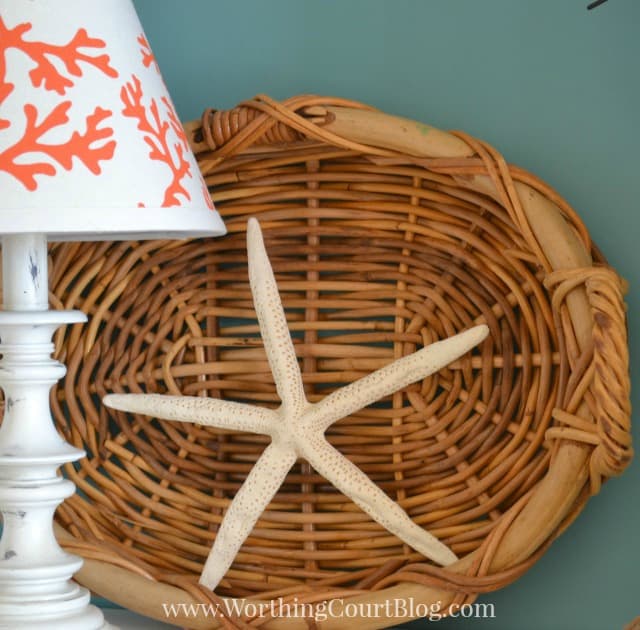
[[90, 143]]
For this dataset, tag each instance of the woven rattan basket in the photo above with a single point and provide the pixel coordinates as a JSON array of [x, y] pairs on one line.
[[385, 234]]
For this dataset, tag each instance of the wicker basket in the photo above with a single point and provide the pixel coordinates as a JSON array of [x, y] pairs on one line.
[[385, 234]]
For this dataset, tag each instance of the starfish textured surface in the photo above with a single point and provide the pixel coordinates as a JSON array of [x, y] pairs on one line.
[[297, 427]]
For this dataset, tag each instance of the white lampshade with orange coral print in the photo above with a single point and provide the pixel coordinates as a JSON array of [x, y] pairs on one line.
[[90, 143]]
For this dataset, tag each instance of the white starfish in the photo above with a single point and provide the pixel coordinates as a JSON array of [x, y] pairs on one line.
[[297, 427]]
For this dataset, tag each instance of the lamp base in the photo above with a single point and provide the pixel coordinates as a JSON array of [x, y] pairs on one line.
[[36, 590]]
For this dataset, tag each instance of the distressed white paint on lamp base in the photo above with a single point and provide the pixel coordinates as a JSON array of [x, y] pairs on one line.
[[36, 590]]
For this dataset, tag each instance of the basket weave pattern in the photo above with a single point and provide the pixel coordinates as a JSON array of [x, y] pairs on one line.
[[379, 247]]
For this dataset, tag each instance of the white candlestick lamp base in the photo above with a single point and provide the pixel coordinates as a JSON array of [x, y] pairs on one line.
[[36, 590]]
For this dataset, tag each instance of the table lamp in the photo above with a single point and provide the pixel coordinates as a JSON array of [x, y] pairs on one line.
[[90, 148]]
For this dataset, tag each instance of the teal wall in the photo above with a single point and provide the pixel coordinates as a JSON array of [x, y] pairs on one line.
[[554, 87]]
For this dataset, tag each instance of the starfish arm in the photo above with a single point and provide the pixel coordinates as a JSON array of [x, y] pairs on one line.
[[212, 412], [392, 377], [273, 323], [352, 482], [250, 501]]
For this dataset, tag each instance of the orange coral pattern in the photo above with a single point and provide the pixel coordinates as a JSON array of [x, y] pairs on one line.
[[157, 131], [148, 58], [162, 133], [47, 75], [79, 145]]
